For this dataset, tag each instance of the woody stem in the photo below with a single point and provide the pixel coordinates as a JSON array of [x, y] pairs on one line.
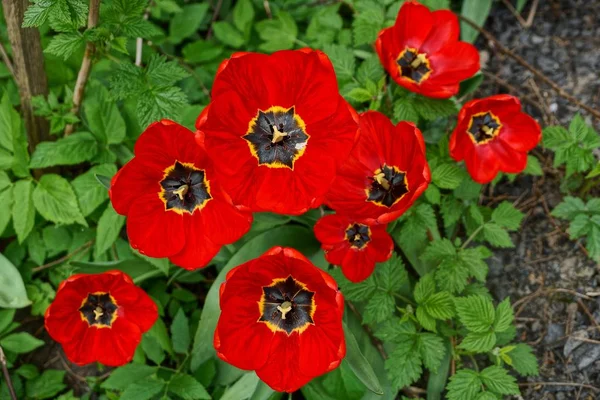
[[11, 389]]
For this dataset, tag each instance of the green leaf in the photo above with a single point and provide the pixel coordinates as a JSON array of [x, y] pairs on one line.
[[21, 342], [187, 22], [47, 385], [180, 332], [404, 110], [476, 313], [367, 24], [187, 388], [569, 208], [359, 364], [504, 316], [432, 350], [507, 216], [145, 390], [523, 360], [228, 35], [361, 291], [499, 381], [431, 109], [104, 119], [202, 51], [55, 200], [360, 95], [447, 176], [124, 376], [440, 305], [477, 11], [556, 137], [496, 235], [470, 85], [242, 388], [404, 365], [12, 288], [109, 227], [464, 385], [243, 15], [424, 289], [279, 33], [343, 61], [288, 235], [479, 342], [380, 307], [71, 150], [437, 4], [425, 319], [533, 166], [90, 193], [64, 45], [23, 212], [391, 275]]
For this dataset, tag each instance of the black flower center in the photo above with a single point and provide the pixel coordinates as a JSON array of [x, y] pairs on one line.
[[414, 65], [484, 127], [277, 137], [358, 235], [98, 309], [388, 186], [286, 305], [184, 188]]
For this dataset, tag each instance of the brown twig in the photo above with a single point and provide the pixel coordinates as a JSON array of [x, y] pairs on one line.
[[86, 64], [583, 385], [514, 12], [214, 18], [84, 247], [531, 15], [7, 61], [589, 314], [511, 88], [11, 389], [561, 92], [267, 9]]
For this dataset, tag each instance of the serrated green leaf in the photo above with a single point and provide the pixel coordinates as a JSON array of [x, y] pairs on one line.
[[497, 236], [479, 342], [404, 110], [23, 211], [71, 150], [343, 61], [391, 275], [361, 291], [569, 208], [432, 350], [447, 176], [424, 289], [144, 390], [187, 22], [47, 385], [425, 319], [523, 360], [464, 385], [431, 109], [452, 275], [404, 365], [380, 307], [124, 376], [440, 305], [533, 166], [90, 193], [367, 24], [55, 200], [504, 316], [507, 216], [499, 381], [64, 45], [228, 34], [360, 95], [476, 313]]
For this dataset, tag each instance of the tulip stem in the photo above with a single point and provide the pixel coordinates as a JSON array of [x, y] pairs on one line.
[[11, 389], [470, 238]]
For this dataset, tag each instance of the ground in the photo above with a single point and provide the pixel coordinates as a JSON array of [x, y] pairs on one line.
[[553, 284]]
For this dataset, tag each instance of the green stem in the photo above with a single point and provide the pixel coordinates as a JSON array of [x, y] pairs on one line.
[[472, 358], [464, 246], [404, 299]]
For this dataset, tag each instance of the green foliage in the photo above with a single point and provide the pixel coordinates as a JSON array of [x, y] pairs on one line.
[[584, 221], [572, 147]]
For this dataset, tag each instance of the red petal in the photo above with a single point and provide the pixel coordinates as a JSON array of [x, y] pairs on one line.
[[133, 179], [138, 308], [521, 132], [224, 223], [281, 370], [413, 24], [239, 338], [320, 345], [445, 68], [509, 160], [115, 346], [445, 31], [199, 248], [154, 231]]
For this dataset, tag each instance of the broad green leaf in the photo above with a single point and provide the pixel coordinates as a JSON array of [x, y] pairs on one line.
[[380, 307], [243, 15], [243, 388], [47, 385], [71, 150], [447, 176], [137, 268], [504, 316], [6, 199], [12, 288], [104, 119], [437, 380], [478, 342], [533, 166], [124, 376], [359, 364], [404, 365], [10, 123], [90, 193], [477, 11], [507, 216], [476, 313], [187, 22], [202, 51], [464, 385], [143, 390], [21, 342], [432, 350], [55, 200], [180, 332], [109, 227], [343, 61], [187, 388], [497, 236], [499, 381], [523, 360], [288, 235], [23, 211], [6, 318], [228, 34], [64, 45]]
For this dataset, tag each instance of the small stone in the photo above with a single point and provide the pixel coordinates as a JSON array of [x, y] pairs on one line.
[[572, 342], [555, 332], [585, 355], [535, 39]]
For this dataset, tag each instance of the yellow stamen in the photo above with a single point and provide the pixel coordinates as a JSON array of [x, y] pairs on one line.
[[380, 178], [356, 237], [285, 308], [277, 135], [487, 130], [181, 191], [419, 59], [98, 313]]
